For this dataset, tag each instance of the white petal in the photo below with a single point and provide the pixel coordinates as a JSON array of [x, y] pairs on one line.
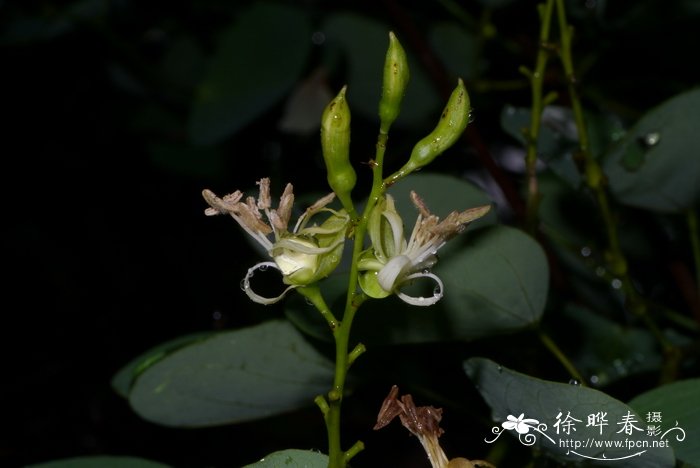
[[249, 291], [391, 271], [396, 225], [422, 301]]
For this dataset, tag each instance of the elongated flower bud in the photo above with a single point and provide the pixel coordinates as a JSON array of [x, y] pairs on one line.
[[396, 79], [453, 121], [335, 144]]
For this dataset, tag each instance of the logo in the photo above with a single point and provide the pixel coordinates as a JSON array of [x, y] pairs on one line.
[[594, 436]]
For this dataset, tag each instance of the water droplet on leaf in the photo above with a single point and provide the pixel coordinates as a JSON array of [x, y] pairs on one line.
[[651, 139]]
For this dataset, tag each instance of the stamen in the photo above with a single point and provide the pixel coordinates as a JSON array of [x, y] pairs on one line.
[[264, 201], [284, 209], [310, 211]]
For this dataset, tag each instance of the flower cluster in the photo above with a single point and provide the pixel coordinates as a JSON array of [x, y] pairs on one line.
[[310, 252]]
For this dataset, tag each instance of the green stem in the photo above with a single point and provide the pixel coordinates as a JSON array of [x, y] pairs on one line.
[[536, 78], [313, 294], [549, 343], [341, 333]]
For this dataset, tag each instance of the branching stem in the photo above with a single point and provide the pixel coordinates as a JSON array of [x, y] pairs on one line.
[[536, 78]]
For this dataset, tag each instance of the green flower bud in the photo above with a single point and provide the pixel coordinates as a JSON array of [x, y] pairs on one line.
[[453, 121], [335, 144], [396, 78]]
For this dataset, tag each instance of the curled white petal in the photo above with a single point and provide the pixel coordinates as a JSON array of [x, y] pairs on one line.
[[249, 290], [423, 301]]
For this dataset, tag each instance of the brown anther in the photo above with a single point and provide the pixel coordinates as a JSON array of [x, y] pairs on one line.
[[264, 201]]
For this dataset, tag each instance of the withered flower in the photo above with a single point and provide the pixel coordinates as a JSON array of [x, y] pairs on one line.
[[424, 423]]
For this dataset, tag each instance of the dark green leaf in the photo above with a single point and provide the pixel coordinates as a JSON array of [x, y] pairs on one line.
[[565, 216], [101, 462], [457, 48], [511, 394], [257, 62], [677, 405], [606, 351], [498, 282], [655, 165], [292, 458], [122, 380], [52, 23], [183, 64], [231, 377]]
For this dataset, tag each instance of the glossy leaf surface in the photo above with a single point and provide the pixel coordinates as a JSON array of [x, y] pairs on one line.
[[235, 376]]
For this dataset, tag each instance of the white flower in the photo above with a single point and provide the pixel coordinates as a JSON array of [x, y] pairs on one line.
[[392, 261], [304, 255]]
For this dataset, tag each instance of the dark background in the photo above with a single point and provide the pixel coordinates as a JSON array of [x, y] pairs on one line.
[[107, 251]]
